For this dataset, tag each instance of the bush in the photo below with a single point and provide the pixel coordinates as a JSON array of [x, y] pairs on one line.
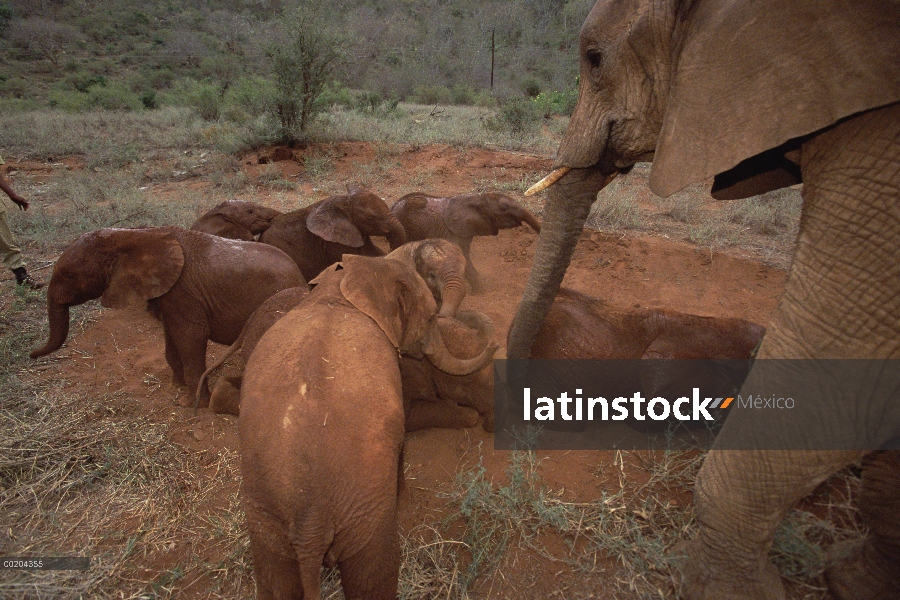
[[516, 116], [301, 63], [368, 102], [531, 87], [248, 98], [335, 94], [204, 97], [69, 100], [113, 96], [148, 99], [556, 103], [207, 99], [432, 94]]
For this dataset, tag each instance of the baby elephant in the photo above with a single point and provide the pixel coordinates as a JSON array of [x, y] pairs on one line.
[[318, 235], [582, 327], [322, 429], [461, 218], [579, 326], [237, 220], [201, 286]]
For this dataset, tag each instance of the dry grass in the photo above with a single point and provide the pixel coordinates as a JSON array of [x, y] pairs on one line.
[[764, 227], [420, 125]]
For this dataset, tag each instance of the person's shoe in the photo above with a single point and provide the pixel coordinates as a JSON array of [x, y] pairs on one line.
[[23, 278]]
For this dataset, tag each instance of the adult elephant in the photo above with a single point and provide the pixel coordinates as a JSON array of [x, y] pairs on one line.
[[760, 95], [236, 219], [318, 235], [203, 287], [322, 429], [460, 218]]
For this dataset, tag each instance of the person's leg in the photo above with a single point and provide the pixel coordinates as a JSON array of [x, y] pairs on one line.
[[11, 256]]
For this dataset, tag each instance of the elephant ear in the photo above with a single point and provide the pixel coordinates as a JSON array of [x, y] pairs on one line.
[[148, 263], [751, 76], [391, 294], [468, 216], [330, 222], [327, 271]]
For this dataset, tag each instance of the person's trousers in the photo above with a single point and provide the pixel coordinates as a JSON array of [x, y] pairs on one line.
[[10, 254]]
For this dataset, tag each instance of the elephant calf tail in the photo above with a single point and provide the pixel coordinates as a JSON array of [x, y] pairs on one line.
[[202, 383]]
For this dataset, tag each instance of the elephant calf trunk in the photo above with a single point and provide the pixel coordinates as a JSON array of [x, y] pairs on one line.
[[58, 317], [452, 295], [438, 355]]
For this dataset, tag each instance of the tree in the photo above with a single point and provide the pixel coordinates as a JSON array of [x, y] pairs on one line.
[[48, 38], [305, 54]]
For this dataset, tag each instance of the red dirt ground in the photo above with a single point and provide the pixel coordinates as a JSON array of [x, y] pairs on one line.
[[123, 351]]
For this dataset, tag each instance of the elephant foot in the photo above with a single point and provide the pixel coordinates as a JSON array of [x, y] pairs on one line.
[[226, 397], [855, 571], [700, 579]]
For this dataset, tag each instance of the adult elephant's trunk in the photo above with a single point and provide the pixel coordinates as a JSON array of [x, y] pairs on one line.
[[396, 235], [438, 355], [58, 316], [452, 295], [564, 215]]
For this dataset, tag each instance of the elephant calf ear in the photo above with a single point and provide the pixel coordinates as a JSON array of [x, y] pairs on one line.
[[148, 263], [389, 292], [331, 223]]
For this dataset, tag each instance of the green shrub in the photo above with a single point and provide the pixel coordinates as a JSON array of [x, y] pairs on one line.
[[83, 83], [531, 87], [69, 100], [6, 15], [433, 94], [113, 96], [335, 94], [247, 98], [556, 103], [517, 116], [207, 99], [148, 99], [462, 94], [368, 102]]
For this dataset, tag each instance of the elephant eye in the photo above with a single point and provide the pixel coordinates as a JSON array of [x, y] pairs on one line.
[[593, 57]]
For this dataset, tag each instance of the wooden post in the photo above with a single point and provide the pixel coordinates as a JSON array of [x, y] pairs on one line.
[[492, 62]]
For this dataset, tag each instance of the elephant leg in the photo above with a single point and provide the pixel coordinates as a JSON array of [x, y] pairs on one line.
[[173, 359], [842, 286], [474, 278], [372, 573], [189, 341], [871, 570], [226, 396], [740, 498], [275, 565], [441, 413]]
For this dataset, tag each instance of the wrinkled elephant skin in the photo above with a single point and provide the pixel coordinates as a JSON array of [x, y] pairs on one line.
[[680, 84]]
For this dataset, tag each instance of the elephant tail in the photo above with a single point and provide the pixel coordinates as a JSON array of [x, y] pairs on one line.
[[230, 351]]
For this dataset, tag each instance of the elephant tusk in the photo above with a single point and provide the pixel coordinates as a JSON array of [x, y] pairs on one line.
[[547, 181], [556, 175]]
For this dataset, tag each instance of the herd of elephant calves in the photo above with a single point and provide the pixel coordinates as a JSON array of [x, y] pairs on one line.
[[324, 323]]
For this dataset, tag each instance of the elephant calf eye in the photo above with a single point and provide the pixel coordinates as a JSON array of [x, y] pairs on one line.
[[593, 57]]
